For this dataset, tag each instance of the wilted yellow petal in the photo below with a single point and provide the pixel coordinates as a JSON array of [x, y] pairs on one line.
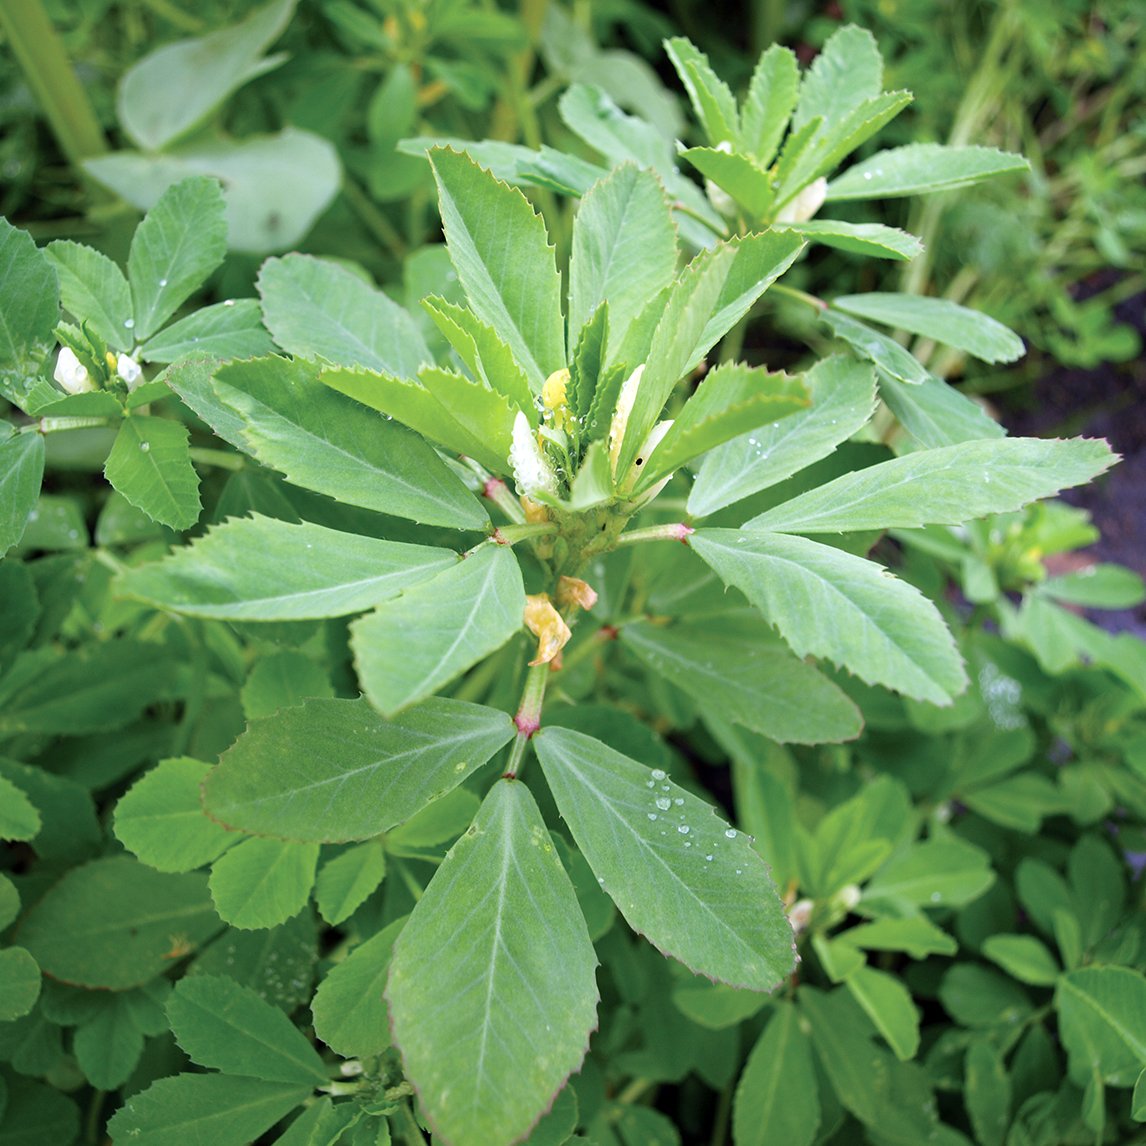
[[547, 625], [574, 591]]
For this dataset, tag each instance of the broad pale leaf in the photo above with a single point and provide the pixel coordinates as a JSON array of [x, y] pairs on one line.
[[410, 647], [193, 379], [94, 290], [922, 167], [709, 297], [221, 1109], [223, 1025], [935, 414], [230, 329], [261, 569], [350, 1012], [624, 249], [777, 1098], [747, 676], [112, 923], [180, 242], [739, 175], [769, 103], [916, 935], [262, 883], [281, 680], [500, 922], [690, 884], [846, 73], [161, 818], [325, 442], [872, 239], [829, 603], [946, 486], [317, 309], [1102, 1023], [1024, 957], [930, 874], [19, 983], [345, 882], [150, 464], [21, 471], [887, 1002], [842, 393], [732, 399], [501, 252], [939, 319], [333, 770]]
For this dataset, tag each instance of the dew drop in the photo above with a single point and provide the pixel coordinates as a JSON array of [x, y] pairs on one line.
[[129, 323], [145, 447], [162, 282], [935, 897], [664, 803], [683, 829], [658, 774], [708, 859], [229, 302], [867, 174], [731, 833], [678, 801], [652, 815]]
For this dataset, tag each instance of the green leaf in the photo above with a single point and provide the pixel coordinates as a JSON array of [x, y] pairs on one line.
[[225, 1026], [262, 883], [746, 675], [350, 1012], [38, 1115], [298, 775], [887, 1002], [987, 1092], [19, 983], [777, 1097], [1097, 587], [1024, 957], [69, 831], [919, 168], [938, 319], [732, 399], [847, 72], [624, 249], [769, 103], [193, 379], [1102, 1023], [842, 393], [918, 936], [709, 297], [485, 353], [161, 820], [21, 471], [150, 464], [180, 242], [711, 100], [174, 88], [323, 441], [19, 819], [587, 366], [260, 569], [872, 239], [318, 309], [501, 252], [518, 1023], [322, 1123], [29, 311], [231, 329], [935, 414], [1138, 1099], [410, 647], [345, 882], [94, 290], [741, 177], [715, 1006], [829, 603], [679, 875], [216, 1108], [946, 486], [113, 923], [282, 680], [108, 1046], [884, 352], [931, 874]]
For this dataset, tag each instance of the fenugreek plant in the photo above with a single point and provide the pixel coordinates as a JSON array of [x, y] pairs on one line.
[[510, 524]]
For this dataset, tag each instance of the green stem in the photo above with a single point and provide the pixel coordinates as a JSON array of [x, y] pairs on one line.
[[407, 877], [512, 534], [40, 53], [408, 1127], [59, 425], [373, 219], [720, 1119], [221, 459], [675, 531], [633, 1091], [816, 303], [528, 718], [767, 23]]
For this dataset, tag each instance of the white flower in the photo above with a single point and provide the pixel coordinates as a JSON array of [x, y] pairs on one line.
[[128, 369], [531, 471], [806, 204], [71, 373], [620, 422]]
